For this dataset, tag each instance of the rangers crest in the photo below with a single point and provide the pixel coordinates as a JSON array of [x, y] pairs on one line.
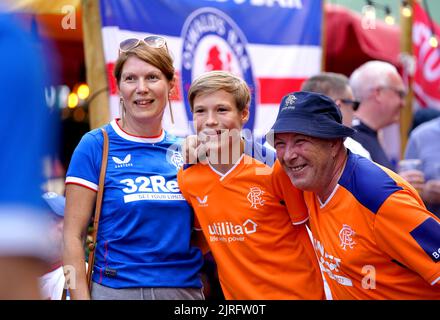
[[345, 235], [254, 197], [177, 160], [290, 101]]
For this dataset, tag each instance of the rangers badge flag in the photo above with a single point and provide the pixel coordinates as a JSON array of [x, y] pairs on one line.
[[427, 74], [274, 45]]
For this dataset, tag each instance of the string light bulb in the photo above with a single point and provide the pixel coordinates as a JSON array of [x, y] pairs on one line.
[[83, 91], [72, 100], [433, 42], [389, 19], [369, 12], [406, 9]]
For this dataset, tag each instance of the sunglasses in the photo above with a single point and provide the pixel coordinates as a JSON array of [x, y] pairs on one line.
[[354, 104], [401, 93], [156, 42]]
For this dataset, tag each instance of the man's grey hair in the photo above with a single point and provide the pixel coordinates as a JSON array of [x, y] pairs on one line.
[[370, 75], [333, 85]]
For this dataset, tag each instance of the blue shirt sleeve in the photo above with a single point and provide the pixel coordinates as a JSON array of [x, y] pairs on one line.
[[85, 164]]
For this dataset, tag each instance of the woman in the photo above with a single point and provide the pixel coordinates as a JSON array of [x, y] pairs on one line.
[[143, 245]]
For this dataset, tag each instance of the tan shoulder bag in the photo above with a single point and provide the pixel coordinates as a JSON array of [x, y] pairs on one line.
[[92, 244]]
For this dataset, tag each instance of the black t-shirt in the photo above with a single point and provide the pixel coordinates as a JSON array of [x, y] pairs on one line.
[[367, 137]]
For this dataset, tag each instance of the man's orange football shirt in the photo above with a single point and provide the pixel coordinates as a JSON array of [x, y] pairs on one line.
[[374, 237]]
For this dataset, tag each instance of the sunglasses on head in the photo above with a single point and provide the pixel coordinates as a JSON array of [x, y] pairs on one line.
[[354, 104], [150, 41]]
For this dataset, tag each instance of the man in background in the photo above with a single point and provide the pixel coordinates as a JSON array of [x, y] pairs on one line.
[[336, 86], [381, 92], [423, 145]]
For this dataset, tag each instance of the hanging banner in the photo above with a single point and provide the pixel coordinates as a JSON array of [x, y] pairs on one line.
[[273, 45], [427, 75]]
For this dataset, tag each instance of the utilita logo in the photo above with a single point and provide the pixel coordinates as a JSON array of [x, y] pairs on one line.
[[228, 228]]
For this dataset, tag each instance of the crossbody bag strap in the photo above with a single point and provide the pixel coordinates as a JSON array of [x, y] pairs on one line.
[[92, 245]]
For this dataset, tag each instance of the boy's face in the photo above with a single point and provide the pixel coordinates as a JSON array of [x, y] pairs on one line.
[[218, 122]]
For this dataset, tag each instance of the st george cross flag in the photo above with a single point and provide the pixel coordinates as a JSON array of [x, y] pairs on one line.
[[427, 74], [272, 44]]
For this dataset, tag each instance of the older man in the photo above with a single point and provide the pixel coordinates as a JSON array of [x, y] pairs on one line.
[[372, 234], [381, 92]]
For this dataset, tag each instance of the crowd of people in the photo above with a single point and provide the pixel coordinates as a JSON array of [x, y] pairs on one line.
[[322, 215]]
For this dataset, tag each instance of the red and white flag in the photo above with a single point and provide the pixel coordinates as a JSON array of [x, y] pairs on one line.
[[273, 45], [427, 74]]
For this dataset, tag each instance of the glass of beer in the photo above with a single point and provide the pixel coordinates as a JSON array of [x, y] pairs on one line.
[[416, 179]]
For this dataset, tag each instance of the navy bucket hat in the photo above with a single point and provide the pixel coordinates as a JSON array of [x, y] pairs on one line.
[[311, 114]]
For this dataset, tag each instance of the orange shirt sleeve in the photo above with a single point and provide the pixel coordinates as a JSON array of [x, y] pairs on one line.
[[287, 192], [410, 234]]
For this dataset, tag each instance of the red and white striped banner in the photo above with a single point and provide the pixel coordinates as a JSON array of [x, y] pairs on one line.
[[274, 47]]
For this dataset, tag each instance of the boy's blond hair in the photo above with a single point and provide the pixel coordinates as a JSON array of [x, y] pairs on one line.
[[213, 81]]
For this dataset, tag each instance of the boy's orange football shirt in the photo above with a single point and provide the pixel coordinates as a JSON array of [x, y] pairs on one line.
[[261, 251], [374, 237]]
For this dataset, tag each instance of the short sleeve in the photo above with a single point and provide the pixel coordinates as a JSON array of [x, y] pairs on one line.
[[289, 194], [410, 234], [85, 164]]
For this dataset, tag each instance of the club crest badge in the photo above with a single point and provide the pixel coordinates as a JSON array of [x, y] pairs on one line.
[[176, 160], [255, 197], [213, 41], [346, 236], [290, 101]]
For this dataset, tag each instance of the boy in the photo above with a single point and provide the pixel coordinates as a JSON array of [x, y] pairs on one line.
[[261, 250]]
